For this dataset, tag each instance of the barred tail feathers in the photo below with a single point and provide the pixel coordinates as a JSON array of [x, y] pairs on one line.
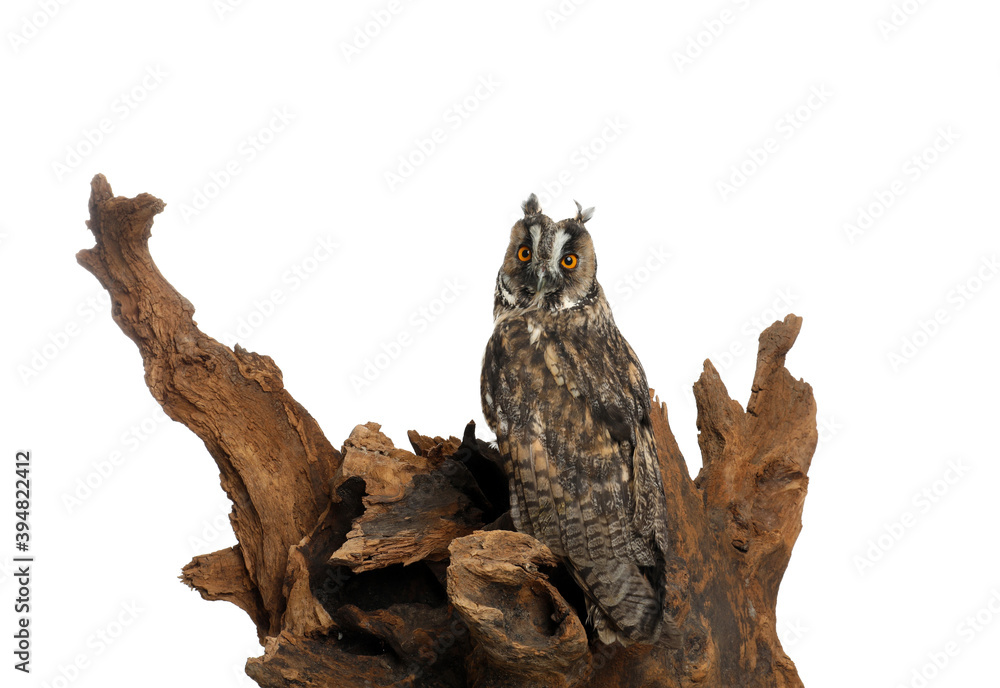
[[621, 604]]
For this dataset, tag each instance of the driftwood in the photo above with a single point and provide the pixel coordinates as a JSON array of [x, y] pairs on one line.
[[379, 566]]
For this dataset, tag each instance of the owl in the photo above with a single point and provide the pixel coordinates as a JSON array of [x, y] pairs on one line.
[[568, 401]]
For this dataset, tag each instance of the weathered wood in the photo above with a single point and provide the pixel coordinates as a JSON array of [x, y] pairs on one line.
[[732, 529], [377, 566], [275, 463], [412, 509], [526, 634], [223, 575]]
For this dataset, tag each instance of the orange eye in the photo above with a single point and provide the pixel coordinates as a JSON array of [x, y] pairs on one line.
[[569, 261], [524, 254]]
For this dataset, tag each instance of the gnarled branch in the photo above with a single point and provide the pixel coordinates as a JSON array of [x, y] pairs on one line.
[[380, 566]]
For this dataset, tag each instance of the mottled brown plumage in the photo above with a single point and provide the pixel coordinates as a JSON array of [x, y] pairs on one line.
[[568, 400]]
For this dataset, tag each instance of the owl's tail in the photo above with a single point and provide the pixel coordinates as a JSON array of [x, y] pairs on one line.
[[622, 605]]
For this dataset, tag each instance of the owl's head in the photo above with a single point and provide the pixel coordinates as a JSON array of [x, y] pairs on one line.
[[548, 264]]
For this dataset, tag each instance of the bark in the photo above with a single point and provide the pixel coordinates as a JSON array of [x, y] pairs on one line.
[[381, 566]]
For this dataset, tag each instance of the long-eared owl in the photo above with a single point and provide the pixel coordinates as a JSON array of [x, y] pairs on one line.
[[568, 401]]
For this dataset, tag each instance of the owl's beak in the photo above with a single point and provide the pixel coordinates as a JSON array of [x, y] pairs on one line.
[[543, 281]]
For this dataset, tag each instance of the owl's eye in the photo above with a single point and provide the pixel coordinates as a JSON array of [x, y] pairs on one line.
[[524, 254], [569, 261]]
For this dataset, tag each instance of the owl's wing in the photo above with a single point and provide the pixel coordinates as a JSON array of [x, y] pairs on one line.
[[582, 461], [607, 385]]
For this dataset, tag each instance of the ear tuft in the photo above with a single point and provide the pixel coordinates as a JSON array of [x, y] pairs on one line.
[[583, 215], [531, 206]]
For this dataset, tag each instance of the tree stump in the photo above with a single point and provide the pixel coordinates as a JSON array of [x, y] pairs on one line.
[[379, 566]]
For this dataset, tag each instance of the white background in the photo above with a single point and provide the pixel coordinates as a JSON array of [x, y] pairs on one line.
[[897, 552]]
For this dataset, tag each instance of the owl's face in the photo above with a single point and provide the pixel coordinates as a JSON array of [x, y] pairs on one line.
[[548, 264]]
